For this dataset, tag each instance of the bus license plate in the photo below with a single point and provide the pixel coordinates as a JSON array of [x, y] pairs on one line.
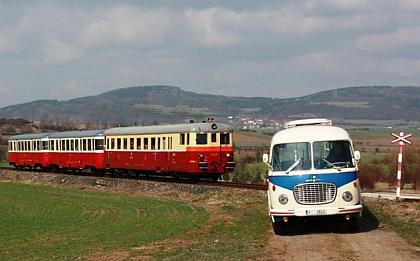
[[316, 212]]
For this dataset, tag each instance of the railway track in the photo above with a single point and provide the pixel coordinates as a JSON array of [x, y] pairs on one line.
[[167, 179]]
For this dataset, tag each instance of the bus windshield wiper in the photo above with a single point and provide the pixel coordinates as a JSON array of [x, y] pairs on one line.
[[293, 165], [332, 165]]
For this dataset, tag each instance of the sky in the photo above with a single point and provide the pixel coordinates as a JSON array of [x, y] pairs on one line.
[[68, 49]]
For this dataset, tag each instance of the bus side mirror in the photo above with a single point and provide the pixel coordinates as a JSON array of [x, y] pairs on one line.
[[357, 155], [265, 158]]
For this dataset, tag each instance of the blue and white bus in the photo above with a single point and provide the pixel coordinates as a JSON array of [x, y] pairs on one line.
[[312, 172]]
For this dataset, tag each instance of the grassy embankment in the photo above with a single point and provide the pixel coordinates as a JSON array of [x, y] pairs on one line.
[[42, 222], [403, 218]]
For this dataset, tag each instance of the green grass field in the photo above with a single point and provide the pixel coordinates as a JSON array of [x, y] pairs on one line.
[[42, 222]]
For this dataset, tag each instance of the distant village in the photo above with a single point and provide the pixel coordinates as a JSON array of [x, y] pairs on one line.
[[249, 123]]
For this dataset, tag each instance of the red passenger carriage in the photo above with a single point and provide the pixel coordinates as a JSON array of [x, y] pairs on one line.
[[77, 150], [29, 150]]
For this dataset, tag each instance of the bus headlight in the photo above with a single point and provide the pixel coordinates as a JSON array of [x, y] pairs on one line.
[[283, 199], [347, 196]]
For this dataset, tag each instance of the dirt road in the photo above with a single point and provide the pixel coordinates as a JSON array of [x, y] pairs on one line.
[[326, 241]]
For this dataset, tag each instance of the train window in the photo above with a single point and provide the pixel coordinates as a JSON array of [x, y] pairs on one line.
[[146, 143], [158, 143], [63, 145], [118, 143], [170, 143], [139, 143], [182, 139], [224, 138], [188, 139], [52, 145], [213, 137], [113, 143], [201, 138], [76, 145], [153, 143], [164, 143], [83, 144], [131, 143], [99, 144], [72, 145], [125, 144]]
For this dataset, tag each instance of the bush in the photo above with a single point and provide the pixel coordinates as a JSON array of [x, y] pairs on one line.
[[385, 170]]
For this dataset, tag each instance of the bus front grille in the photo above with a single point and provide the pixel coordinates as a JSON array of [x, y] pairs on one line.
[[315, 193]]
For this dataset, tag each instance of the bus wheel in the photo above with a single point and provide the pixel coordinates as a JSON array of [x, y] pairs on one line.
[[279, 228]]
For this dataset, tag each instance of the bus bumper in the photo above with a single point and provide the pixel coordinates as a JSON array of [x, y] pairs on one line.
[[355, 210]]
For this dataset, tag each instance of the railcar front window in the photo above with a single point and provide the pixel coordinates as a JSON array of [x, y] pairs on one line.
[[201, 139], [291, 156], [333, 154]]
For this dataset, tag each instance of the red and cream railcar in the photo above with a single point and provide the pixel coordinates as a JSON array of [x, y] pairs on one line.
[[77, 150], [201, 149], [28, 150]]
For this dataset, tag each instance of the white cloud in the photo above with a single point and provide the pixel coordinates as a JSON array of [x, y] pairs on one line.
[[410, 5], [207, 26], [403, 37], [4, 44], [399, 67], [58, 52], [223, 27], [127, 25]]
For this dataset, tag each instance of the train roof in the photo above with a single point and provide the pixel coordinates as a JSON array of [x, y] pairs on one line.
[[175, 128], [29, 136], [77, 134], [56, 135]]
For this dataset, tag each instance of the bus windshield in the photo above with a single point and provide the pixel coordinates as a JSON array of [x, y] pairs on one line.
[[291, 157], [333, 154]]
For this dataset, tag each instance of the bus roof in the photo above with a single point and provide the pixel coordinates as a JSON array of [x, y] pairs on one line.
[[310, 133]]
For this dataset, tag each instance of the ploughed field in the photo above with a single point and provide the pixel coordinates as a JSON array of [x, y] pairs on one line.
[[42, 222]]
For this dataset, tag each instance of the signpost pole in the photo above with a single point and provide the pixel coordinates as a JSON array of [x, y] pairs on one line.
[[400, 156], [401, 139]]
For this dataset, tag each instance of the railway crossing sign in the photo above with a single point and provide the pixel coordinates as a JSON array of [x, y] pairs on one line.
[[401, 138]]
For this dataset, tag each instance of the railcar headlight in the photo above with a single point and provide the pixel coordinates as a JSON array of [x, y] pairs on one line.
[[227, 155], [347, 196], [283, 199]]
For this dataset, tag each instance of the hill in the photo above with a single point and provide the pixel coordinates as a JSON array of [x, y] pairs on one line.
[[157, 104]]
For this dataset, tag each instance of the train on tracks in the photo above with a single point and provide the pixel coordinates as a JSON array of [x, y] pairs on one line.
[[195, 150], [312, 173]]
